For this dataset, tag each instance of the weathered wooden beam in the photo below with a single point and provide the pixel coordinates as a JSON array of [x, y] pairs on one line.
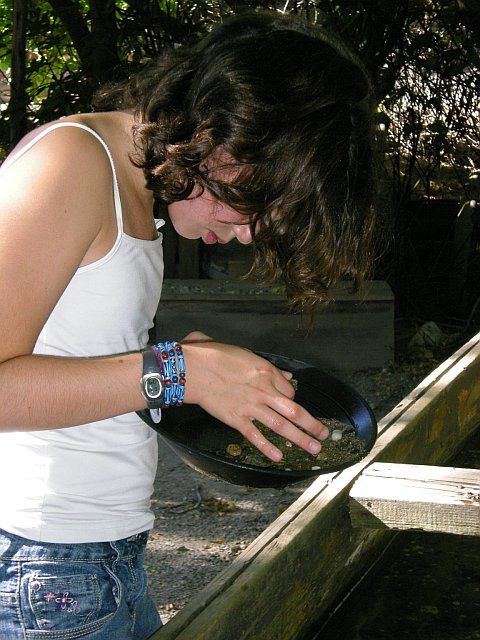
[[306, 561], [408, 496]]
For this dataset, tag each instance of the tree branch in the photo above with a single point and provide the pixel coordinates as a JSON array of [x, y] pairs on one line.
[[74, 22], [18, 100]]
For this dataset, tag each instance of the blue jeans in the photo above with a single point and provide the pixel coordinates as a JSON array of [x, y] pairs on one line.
[[96, 591]]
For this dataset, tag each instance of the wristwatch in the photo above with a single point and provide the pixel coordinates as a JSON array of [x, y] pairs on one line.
[[152, 380]]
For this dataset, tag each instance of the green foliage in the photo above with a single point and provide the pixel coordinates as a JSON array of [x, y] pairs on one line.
[[5, 36], [421, 57], [54, 75], [60, 78]]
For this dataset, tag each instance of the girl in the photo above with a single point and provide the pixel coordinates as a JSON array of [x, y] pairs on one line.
[[261, 133]]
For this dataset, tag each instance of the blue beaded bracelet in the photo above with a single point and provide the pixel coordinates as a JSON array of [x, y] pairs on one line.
[[170, 359]]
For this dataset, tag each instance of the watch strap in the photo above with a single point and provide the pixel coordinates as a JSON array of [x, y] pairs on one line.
[[151, 369]]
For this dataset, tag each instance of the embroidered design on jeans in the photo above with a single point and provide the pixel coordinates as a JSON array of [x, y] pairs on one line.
[[65, 601]]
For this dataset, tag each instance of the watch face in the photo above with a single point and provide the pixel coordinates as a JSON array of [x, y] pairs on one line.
[[153, 387]]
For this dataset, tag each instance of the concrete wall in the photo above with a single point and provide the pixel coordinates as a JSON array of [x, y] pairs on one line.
[[354, 332]]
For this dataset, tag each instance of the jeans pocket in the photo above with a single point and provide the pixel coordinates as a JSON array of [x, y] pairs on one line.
[[67, 603], [57, 599]]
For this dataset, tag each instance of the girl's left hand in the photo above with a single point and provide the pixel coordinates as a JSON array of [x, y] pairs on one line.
[[237, 386], [199, 336]]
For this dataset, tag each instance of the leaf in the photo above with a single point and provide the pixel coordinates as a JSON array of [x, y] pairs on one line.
[[219, 505]]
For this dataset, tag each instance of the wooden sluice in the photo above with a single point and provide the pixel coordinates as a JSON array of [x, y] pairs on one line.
[[306, 562]]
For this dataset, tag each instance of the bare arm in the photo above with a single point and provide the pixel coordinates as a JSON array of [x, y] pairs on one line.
[[42, 392], [55, 203]]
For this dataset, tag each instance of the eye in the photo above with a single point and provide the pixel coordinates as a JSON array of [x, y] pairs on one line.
[[234, 222]]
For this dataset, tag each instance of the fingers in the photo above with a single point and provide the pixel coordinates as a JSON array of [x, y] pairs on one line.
[[290, 431], [253, 435], [284, 386], [285, 429], [295, 414], [281, 414], [291, 421]]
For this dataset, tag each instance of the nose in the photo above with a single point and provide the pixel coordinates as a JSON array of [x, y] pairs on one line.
[[243, 233]]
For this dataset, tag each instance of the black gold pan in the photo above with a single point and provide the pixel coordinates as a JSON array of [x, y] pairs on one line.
[[189, 429]]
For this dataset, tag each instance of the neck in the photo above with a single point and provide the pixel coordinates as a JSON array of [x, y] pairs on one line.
[[126, 121]]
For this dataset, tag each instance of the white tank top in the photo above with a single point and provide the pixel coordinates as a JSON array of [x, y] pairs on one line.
[[92, 482]]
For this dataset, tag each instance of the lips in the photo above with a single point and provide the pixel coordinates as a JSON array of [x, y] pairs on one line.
[[210, 238]]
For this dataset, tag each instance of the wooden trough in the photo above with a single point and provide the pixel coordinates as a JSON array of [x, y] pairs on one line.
[[306, 562]]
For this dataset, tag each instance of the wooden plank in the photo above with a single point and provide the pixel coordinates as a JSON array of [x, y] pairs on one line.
[[407, 496], [305, 561]]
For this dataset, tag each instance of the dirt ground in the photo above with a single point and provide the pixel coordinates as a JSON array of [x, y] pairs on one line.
[[429, 584]]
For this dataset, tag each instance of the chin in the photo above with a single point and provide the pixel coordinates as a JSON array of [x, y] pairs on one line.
[[185, 233]]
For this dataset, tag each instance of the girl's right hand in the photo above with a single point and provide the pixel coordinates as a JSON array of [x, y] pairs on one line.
[[237, 386]]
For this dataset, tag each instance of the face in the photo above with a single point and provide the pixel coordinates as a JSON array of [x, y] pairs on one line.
[[203, 216]]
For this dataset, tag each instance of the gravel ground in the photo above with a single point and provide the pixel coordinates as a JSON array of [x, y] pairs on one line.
[[202, 524]]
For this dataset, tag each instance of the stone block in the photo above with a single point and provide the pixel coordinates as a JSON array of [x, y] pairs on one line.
[[355, 331]]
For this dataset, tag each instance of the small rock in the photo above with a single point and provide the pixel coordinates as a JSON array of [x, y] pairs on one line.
[[234, 450], [428, 336]]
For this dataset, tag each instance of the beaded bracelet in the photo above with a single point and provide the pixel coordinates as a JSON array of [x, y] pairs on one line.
[[171, 361]]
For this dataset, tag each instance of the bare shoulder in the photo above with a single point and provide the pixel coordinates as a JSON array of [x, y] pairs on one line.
[[65, 169], [53, 147]]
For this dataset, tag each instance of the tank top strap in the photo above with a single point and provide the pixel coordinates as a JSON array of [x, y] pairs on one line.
[[116, 193]]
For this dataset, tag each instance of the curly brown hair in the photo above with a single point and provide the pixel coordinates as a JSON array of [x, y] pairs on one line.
[[292, 105]]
